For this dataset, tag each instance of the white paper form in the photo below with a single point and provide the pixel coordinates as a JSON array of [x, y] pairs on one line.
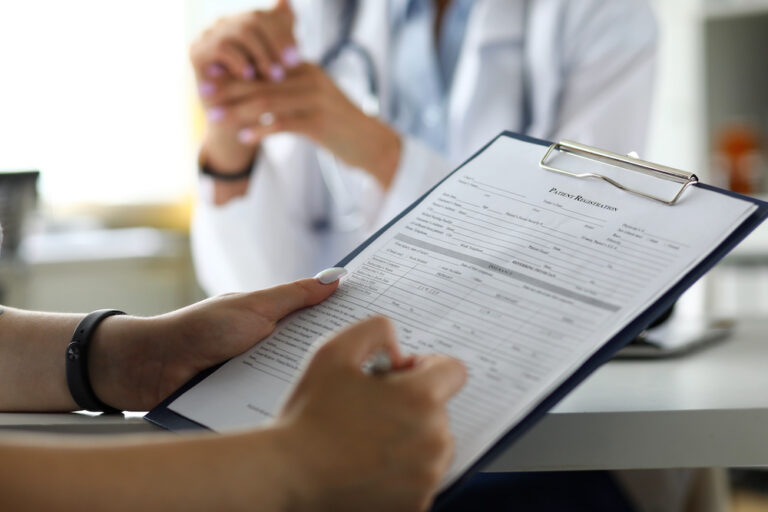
[[521, 273]]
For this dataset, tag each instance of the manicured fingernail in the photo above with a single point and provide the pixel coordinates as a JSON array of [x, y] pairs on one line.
[[245, 136], [267, 119], [215, 70], [207, 89], [249, 72], [291, 57], [276, 73], [331, 275], [216, 114]]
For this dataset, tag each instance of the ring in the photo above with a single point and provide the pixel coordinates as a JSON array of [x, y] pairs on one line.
[[266, 119]]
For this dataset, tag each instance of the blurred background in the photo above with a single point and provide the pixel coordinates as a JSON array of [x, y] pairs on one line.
[[104, 107], [99, 127]]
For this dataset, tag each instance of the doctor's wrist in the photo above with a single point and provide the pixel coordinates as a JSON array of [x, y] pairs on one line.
[[229, 168], [386, 159], [223, 155]]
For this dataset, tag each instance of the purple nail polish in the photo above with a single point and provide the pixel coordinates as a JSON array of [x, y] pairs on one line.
[[249, 72], [291, 57], [215, 70], [216, 114], [276, 73], [207, 89], [245, 136]]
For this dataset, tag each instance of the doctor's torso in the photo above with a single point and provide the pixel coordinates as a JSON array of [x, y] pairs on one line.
[[481, 41], [549, 68]]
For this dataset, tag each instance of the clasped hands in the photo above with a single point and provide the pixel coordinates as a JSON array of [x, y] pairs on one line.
[[253, 83]]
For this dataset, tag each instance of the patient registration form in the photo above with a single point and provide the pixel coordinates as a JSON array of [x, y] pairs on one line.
[[521, 273]]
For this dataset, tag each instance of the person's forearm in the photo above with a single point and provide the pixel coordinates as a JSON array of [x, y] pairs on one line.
[[203, 472], [32, 357]]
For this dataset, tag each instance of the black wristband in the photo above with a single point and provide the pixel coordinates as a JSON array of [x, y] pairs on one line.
[[78, 380], [239, 175]]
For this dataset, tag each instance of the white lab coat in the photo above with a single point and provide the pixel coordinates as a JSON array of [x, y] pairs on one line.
[[590, 65]]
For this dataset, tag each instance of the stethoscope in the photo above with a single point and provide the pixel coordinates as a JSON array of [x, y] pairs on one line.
[[342, 214]]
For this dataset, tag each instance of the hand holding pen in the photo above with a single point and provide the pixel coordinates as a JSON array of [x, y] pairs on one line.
[[350, 431]]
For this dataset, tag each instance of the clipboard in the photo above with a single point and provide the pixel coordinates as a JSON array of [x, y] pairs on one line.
[[627, 162], [166, 418]]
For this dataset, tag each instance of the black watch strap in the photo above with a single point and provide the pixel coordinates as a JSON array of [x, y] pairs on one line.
[[78, 380], [237, 176]]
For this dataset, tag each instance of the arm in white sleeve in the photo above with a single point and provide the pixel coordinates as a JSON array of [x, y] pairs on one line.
[[221, 237], [605, 53], [608, 58], [262, 238]]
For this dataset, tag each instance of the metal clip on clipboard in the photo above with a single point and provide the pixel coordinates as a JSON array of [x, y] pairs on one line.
[[686, 179]]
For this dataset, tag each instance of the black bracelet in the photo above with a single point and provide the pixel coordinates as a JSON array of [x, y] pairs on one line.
[[239, 175], [78, 380]]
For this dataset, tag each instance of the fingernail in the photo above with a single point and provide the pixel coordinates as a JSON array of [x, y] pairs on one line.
[[215, 70], [249, 72], [207, 89], [291, 57], [331, 275], [276, 73], [216, 114], [245, 136]]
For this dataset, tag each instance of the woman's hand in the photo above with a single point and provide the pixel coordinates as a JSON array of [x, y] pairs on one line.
[[358, 442], [135, 363], [254, 44], [309, 103], [251, 46], [344, 441]]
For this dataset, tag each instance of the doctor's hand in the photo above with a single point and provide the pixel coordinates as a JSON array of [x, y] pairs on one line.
[[309, 103], [135, 363], [251, 46], [360, 442]]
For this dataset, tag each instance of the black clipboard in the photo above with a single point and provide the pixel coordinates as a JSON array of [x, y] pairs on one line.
[[166, 418]]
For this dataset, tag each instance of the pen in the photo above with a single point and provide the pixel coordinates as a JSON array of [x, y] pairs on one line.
[[379, 364]]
